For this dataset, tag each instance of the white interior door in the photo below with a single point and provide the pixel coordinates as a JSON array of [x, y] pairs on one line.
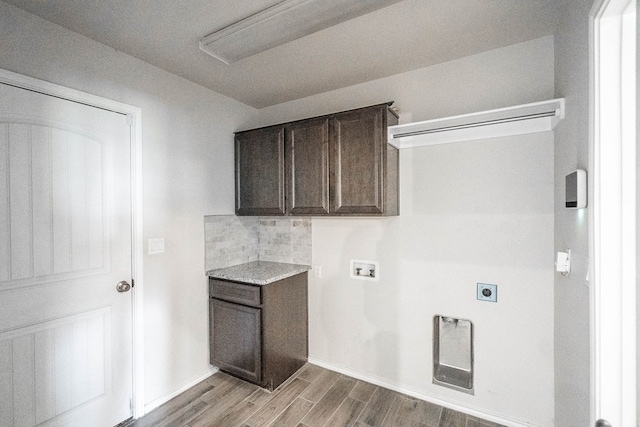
[[65, 242]]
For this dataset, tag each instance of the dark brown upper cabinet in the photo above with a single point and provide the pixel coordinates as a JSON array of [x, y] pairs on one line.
[[307, 159], [339, 164], [360, 163], [259, 172]]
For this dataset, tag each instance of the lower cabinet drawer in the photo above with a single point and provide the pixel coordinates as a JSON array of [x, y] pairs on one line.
[[235, 292], [236, 339]]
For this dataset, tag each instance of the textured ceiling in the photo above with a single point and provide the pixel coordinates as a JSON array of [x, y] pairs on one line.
[[405, 36]]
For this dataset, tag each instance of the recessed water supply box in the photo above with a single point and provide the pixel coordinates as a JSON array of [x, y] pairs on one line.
[[453, 353], [364, 270]]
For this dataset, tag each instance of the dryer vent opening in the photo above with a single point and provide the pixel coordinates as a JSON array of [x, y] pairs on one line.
[[453, 353]]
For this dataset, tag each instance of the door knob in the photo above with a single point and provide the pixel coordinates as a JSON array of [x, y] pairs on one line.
[[123, 286]]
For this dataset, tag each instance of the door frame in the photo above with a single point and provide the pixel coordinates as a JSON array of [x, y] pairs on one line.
[[134, 119], [612, 222]]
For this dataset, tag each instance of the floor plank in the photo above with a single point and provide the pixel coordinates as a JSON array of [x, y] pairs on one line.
[[347, 412], [329, 403], [405, 411], [363, 391], [450, 418], [236, 415], [377, 407], [294, 413], [235, 391], [184, 416], [320, 385], [278, 404], [429, 412], [182, 402], [310, 372], [313, 397]]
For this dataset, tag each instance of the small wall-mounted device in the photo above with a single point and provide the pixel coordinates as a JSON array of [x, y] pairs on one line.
[[575, 185], [563, 262]]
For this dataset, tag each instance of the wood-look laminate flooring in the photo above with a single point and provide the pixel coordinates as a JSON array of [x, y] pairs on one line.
[[314, 396]]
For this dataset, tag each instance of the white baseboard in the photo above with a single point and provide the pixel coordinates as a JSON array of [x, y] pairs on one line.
[[400, 389], [148, 407]]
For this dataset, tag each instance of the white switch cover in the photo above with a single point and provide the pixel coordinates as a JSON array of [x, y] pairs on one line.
[[156, 246], [317, 271]]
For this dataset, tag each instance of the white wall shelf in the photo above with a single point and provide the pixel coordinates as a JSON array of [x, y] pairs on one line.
[[522, 119]]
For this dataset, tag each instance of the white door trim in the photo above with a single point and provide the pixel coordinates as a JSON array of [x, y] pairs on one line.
[[135, 115], [612, 224]]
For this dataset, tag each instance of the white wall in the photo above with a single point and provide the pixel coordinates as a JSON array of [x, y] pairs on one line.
[[572, 354], [187, 173], [470, 212]]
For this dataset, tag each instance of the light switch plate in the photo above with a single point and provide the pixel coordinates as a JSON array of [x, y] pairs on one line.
[[156, 246], [487, 292]]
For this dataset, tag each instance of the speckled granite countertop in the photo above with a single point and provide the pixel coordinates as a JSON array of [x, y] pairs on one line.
[[258, 272]]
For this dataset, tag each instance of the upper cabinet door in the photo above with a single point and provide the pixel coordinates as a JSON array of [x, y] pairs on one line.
[[358, 161], [307, 150], [260, 166]]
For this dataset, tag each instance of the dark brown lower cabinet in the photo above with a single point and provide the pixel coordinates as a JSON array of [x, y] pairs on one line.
[[259, 332]]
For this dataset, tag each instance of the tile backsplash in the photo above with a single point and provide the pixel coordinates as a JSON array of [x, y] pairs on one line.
[[285, 240], [232, 240]]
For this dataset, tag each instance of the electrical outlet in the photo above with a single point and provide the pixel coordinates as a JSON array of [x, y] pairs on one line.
[[487, 292]]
